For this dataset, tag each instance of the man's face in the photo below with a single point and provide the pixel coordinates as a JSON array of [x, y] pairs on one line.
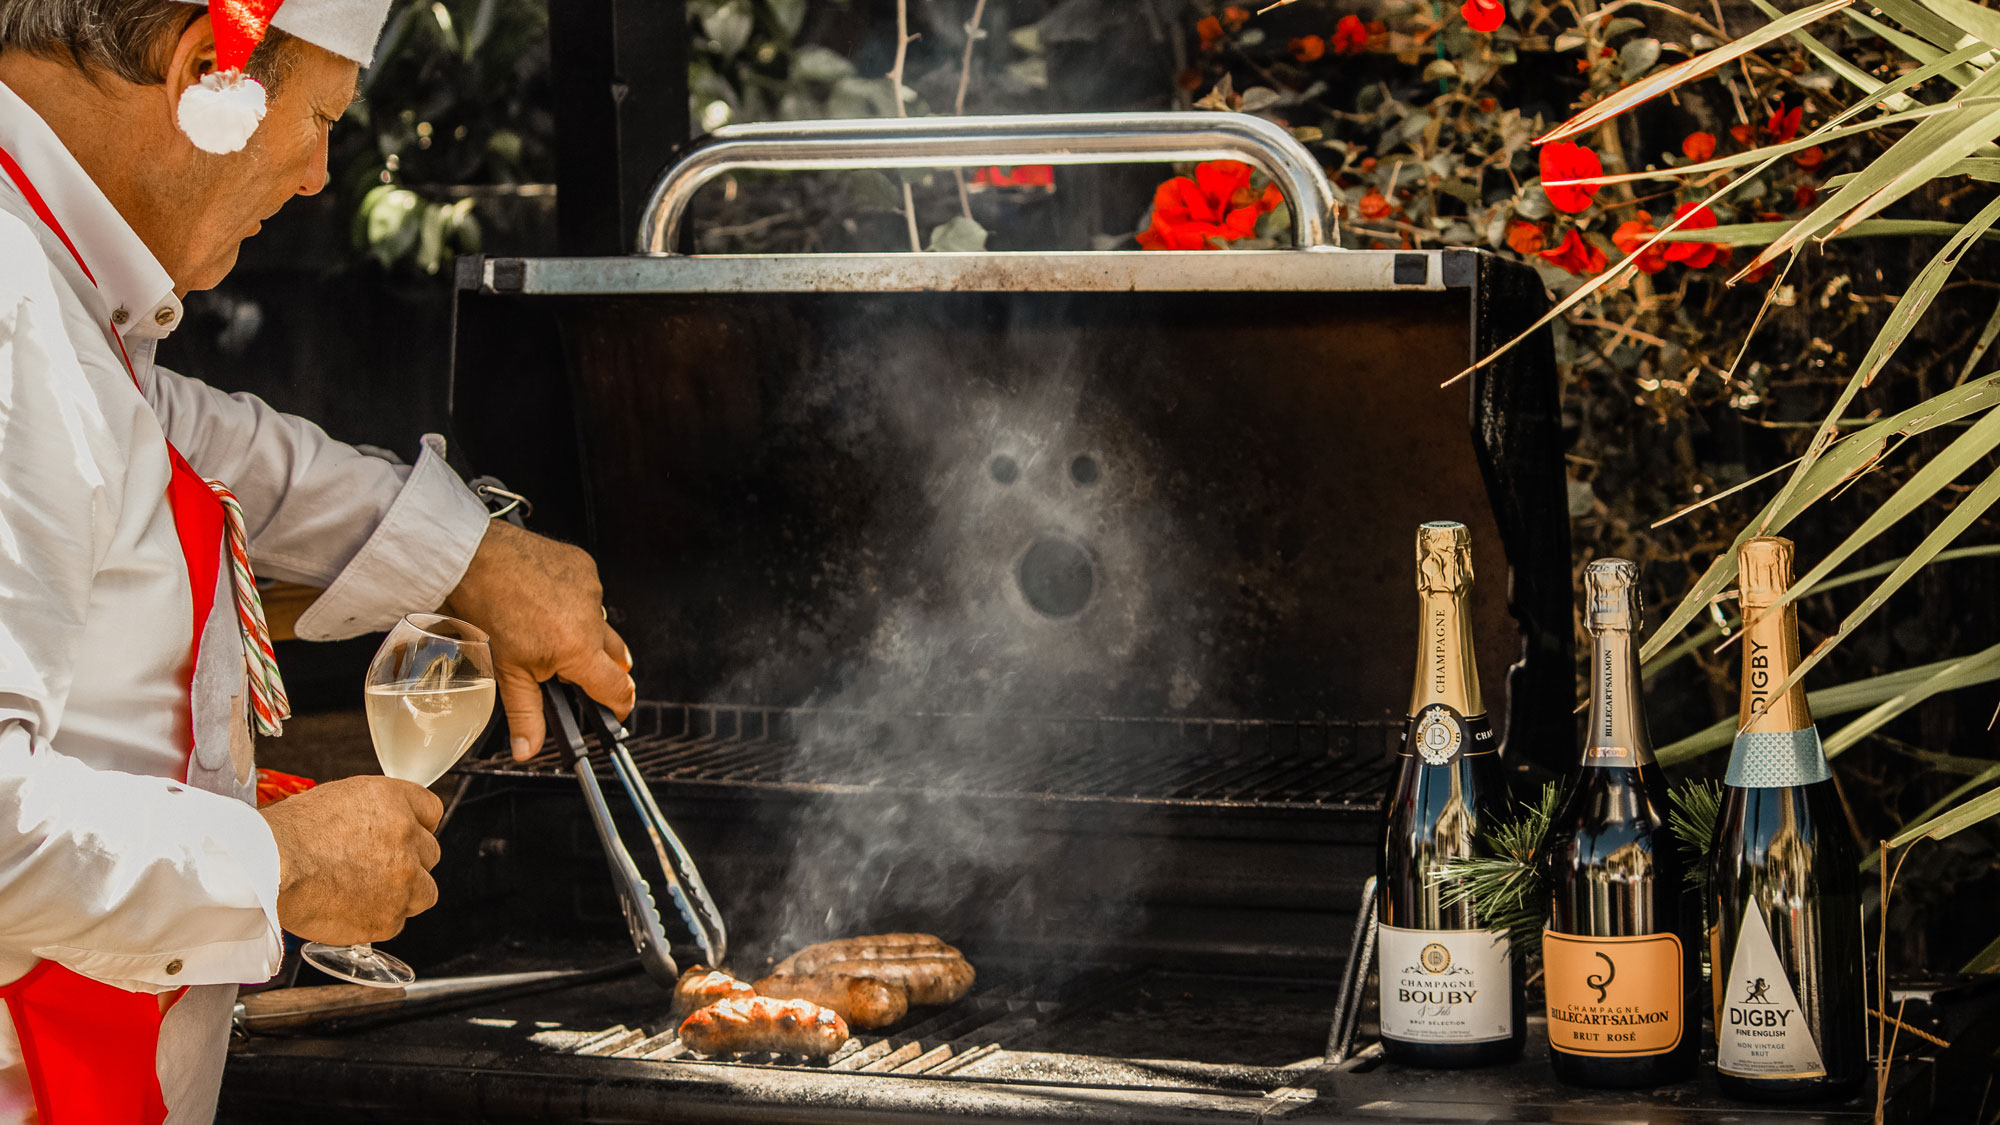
[[225, 199]]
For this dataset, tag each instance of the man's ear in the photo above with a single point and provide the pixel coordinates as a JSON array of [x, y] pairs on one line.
[[193, 56]]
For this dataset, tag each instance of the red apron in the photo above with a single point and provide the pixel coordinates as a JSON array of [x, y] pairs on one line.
[[91, 1049]]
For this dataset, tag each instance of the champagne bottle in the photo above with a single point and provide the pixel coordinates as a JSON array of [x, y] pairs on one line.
[[1451, 990], [1785, 936], [1618, 954]]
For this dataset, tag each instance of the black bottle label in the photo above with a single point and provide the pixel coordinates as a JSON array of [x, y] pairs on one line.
[[1438, 734]]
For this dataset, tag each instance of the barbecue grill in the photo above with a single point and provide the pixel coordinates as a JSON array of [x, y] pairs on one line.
[[1056, 603]]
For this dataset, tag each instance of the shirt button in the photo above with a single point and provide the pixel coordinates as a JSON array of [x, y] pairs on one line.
[[174, 967], [121, 316], [164, 317]]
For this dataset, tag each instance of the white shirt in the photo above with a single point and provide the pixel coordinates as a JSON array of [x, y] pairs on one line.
[[109, 864]]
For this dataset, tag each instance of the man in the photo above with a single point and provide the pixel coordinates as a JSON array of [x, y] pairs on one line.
[[137, 884]]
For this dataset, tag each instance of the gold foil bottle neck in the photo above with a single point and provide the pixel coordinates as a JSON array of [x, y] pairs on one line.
[[1770, 639], [1611, 595], [1764, 569], [1444, 558]]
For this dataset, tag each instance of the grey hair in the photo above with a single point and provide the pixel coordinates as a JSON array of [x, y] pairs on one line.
[[122, 37]]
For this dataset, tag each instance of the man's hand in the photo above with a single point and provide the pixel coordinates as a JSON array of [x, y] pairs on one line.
[[541, 603], [354, 858]]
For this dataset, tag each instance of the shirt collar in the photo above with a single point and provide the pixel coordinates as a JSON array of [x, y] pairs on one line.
[[136, 292]]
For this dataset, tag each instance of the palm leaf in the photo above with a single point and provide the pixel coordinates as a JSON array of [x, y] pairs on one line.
[[1759, 234], [1986, 337], [1837, 700], [1951, 527], [1986, 960], [1950, 676], [1952, 821], [1687, 70], [1848, 458], [1701, 638], [1971, 18], [1854, 75], [1915, 16]]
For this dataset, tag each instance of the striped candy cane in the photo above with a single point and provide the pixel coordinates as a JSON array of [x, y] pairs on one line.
[[269, 705]]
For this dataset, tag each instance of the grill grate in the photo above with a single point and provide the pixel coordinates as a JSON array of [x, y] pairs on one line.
[[983, 1023], [1207, 762]]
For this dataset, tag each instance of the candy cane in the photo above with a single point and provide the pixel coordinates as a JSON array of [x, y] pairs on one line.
[[268, 702]]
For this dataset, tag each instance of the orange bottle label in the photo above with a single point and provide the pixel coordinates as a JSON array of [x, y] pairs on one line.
[[1614, 995]]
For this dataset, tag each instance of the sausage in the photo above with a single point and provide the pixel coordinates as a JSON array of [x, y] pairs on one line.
[[926, 980], [865, 1004], [815, 958], [701, 986], [760, 1023]]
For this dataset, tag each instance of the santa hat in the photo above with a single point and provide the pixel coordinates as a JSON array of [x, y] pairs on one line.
[[221, 111]]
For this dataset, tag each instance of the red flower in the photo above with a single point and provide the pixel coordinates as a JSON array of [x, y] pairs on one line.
[[273, 786], [1210, 30], [1785, 124], [1698, 146], [1526, 238], [1218, 203], [1189, 79], [1350, 35], [1576, 255], [1309, 49], [1632, 235], [1696, 255], [1759, 273], [1235, 17], [1484, 15], [1744, 134], [1025, 175], [1809, 158], [1565, 161], [1376, 206], [1804, 196]]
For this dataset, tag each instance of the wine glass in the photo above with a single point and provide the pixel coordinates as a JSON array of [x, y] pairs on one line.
[[429, 692]]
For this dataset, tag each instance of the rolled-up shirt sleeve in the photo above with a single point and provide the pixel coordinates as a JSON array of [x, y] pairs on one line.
[[88, 856], [381, 539]]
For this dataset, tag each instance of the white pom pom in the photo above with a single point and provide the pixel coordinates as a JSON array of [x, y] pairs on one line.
[[220, 113]]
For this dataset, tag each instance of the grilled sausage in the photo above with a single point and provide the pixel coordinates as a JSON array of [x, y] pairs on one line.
[[701, 986], [863, 1003], [926, 980], [815, 958], [760, 1023]]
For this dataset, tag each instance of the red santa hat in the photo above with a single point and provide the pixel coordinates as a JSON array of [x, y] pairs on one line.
[[221, 111]]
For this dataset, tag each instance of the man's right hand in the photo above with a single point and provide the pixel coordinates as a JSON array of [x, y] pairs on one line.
[[354, 858]]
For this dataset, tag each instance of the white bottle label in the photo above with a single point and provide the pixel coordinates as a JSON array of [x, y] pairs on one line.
[[1445, 986], [1760, 1030]]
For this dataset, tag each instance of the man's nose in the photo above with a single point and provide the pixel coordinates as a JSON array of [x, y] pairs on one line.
[[316, 174]]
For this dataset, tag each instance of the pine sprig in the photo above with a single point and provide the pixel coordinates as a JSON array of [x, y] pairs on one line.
[[1504, 886], [1694, 807]]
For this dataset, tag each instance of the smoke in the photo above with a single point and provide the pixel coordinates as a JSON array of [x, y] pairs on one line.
[[1038, 582]]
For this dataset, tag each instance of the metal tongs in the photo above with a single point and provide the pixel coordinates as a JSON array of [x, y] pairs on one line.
[[635, 896]]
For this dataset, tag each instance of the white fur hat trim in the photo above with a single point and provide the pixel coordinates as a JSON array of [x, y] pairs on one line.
[[221, 111], [347, 28]]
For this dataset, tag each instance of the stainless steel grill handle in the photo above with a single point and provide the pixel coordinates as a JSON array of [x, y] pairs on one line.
[[966, 142]]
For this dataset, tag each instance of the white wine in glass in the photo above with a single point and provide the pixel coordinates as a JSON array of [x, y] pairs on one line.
[[429, 693]]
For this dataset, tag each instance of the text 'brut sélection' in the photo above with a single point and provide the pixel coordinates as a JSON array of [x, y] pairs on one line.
[[1785, 911], [1618, 950], [1450, 988]]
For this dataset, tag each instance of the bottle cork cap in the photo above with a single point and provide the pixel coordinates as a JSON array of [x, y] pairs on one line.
[[1764, 569], [1611, 595], [1444, 557]]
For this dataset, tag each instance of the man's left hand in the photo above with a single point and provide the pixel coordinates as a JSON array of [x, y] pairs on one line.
[[541, 602]]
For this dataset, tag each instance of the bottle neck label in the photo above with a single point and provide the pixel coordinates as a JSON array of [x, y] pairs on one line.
[[1617, 734], [1438, 734], [1776, 759]]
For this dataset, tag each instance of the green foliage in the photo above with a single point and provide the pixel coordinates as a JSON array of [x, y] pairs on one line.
[[1505, 885], [1692, 817]]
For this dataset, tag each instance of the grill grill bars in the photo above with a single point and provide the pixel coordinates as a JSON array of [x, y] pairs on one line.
[[979, 1025], [1208, 762]]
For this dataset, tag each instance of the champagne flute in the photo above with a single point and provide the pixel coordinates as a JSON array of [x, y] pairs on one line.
[[429, 693]]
